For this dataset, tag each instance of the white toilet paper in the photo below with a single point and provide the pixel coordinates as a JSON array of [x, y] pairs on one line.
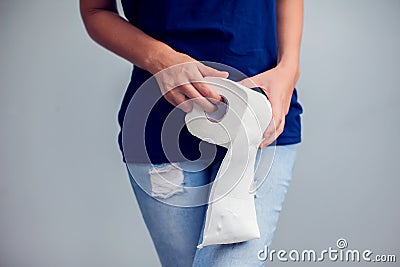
[[238, 125]]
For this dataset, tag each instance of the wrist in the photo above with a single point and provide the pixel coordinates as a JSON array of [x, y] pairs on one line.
[[292, 67], [291, 62], [158, 58]]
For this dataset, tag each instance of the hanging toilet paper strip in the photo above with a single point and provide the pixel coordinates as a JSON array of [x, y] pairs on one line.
[[238, 124]]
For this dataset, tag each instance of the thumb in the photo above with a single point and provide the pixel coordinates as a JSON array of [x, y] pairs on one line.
[[208, 71], [248, 82]]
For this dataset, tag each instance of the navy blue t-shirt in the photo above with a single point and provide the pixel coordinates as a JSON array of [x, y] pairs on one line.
[[237, 33]]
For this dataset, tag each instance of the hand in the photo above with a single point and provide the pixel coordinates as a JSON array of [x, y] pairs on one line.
[[278, 83], [180, 80]]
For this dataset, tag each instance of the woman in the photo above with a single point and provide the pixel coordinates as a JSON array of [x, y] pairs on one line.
[[260, 39]]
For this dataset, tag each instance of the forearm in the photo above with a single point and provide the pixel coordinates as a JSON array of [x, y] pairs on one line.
[[289, 31], [111, 31]]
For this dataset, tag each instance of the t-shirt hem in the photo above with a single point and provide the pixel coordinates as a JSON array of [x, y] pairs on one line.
[[158, 158]]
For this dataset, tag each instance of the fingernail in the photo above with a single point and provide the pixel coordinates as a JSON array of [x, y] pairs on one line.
[[186, 109], [215, 101], [214, 108]]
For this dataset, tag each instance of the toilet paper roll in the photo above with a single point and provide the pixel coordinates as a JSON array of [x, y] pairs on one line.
[[238, 124]]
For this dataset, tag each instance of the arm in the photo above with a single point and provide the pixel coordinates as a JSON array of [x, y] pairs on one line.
[[111, 31], [278, 83], [289, 31]]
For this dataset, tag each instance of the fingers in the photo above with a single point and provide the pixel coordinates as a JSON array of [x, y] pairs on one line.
[[248, 82], [205, 89], [208, 71], [178, 99], [186, 82], [198, 93], [274, 129], [185, 95], [256, 81]]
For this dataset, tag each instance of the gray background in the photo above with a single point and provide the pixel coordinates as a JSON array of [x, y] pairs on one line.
[[65, 198]]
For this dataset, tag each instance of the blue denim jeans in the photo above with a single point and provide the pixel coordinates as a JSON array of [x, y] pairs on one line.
[[177, 230]]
